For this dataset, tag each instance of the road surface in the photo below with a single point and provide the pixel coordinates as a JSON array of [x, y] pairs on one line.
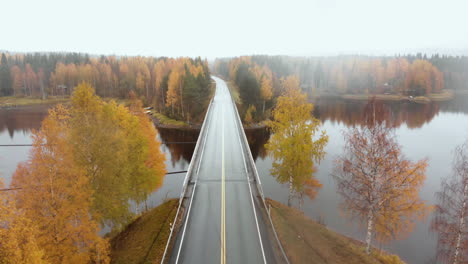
[[223, 221]]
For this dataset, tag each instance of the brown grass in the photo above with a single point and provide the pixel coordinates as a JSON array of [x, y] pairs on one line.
[[444, 95], [7, 101], [144, 240], [306, 241]]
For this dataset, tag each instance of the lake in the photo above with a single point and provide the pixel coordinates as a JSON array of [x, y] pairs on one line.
[[424, 130]]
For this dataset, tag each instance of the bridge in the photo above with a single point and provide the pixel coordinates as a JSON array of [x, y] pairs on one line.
[[222, 215]]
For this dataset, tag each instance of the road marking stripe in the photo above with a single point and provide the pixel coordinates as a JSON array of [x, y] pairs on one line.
[[251, 197], [223, 200]]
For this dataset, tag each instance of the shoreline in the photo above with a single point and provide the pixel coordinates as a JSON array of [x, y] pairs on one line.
[[303, 237], [7, 102], [446, 95], [162, 121]]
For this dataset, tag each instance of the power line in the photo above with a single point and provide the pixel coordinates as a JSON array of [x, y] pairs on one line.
[[20, 188], [166, 143], [16, 145]]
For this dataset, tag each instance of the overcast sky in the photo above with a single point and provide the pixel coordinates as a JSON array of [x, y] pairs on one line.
[[216, 28]]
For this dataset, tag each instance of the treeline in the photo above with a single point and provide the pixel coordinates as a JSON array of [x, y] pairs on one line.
[[404, 75], [177, 87], [257, 86], [90, 162]]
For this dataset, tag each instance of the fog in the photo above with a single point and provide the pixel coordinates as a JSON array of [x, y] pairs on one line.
[[212, 28]]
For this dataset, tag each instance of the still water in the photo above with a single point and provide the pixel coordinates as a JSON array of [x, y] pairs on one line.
[[424, 130]]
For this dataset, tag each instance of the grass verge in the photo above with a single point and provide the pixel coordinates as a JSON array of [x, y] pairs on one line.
[[445, 95], [144, 240], [306, 241], [22, 101], [165, 121]]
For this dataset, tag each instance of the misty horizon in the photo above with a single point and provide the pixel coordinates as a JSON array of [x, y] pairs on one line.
[[213, 29]]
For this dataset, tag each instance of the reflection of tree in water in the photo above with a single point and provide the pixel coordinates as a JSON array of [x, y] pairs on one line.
[[451, 214], [22, 119], [257, 139], [178, 142], [414, 115]]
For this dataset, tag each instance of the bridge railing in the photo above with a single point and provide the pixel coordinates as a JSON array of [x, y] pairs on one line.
[[187, 178]]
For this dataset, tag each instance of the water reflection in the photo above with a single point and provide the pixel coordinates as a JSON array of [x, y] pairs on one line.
[[413, 115], [424, 130], [180, 144], [22, 119]]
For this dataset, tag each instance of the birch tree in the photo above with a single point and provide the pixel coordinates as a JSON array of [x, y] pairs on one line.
[[295, 143], [377, 183]]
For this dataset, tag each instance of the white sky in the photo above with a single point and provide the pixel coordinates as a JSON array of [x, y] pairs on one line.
[[214, 28]]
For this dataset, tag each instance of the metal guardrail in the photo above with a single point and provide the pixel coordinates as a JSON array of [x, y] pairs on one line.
[[257, 178], [187, 177]]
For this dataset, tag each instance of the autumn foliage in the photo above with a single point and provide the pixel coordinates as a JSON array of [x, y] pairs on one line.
[[17, 234], [255, 84], [88, 163], [292, 143], [403, 75], [377, 183], [57, 197], [178, 87]]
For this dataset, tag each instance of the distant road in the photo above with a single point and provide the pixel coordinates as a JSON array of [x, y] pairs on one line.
[[223, 222]]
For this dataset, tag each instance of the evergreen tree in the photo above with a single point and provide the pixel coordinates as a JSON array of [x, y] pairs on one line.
[[6, 88]]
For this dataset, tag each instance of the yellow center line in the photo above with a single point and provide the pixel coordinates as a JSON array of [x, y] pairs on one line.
[[223, 200]]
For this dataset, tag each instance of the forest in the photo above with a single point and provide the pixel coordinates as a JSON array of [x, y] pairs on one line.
[[258, 78], [177, 87]]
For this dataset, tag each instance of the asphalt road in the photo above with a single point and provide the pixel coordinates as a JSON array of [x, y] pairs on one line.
[[223, 223]]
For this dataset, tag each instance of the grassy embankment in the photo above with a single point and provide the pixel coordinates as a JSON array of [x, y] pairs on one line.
[[144, 240], [167, 122], [306, 241], [12, 101], [445, 95]]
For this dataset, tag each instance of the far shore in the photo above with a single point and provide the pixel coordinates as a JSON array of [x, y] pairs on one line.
[[15, 101], [163, 121], [445, 95]]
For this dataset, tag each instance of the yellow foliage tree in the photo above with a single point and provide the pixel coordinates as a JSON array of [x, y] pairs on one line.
[[266, 90], [249, 114], [174, 97], [17, 234], [57, 196], [292, 143], [122, 160]]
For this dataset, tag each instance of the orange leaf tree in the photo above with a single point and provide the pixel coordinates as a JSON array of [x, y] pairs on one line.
[[17, 234], [57, 197]]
